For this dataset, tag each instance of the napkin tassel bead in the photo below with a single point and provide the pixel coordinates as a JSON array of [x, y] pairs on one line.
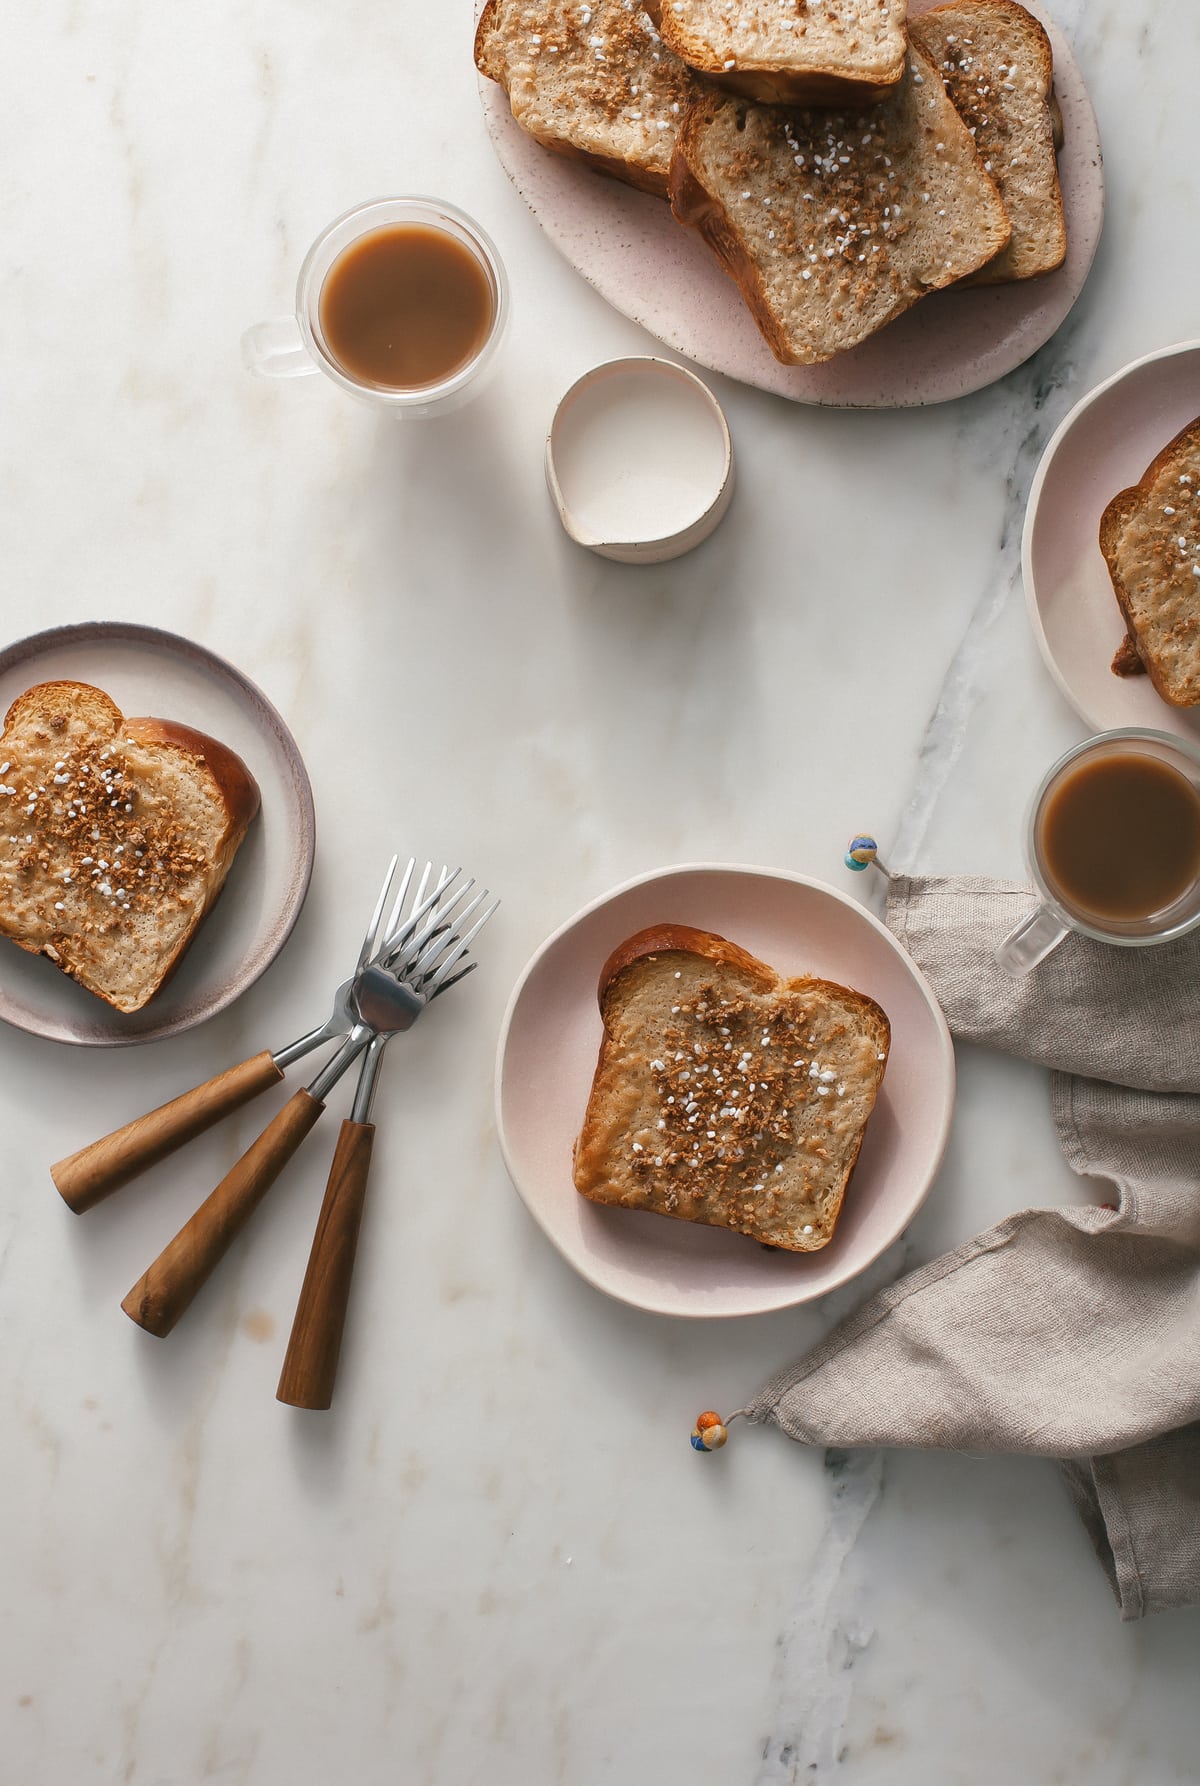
[[710, 1431]]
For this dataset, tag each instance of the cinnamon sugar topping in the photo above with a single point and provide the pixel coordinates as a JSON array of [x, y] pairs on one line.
[[727, 1082], [92, 813]]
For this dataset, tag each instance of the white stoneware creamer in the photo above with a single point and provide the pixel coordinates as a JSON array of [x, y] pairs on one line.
[[639, 460]]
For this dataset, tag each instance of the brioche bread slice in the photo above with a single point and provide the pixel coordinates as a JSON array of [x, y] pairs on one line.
[[790, 52], [1150, 538], [116, 836], [726, 1094], [833, 223], [998, 67], [590, 79]]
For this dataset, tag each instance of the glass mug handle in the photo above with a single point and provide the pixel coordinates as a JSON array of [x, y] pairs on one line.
[[1030, 941], [276, 349]]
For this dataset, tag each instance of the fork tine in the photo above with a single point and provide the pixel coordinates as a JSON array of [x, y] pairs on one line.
[[439, 925], [372, 936], [467, 968], [436, 941], [398, 949], [400, 938], [432, 983], [402, 895]]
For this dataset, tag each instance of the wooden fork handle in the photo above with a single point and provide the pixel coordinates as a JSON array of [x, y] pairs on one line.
[[310, 1367], [86, 1177], [162, 1294]]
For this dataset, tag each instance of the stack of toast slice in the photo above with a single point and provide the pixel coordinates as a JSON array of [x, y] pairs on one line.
[[998, 68], [832, 216]]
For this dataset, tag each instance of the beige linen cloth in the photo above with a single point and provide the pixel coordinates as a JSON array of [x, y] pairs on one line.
[[1069, 1333]]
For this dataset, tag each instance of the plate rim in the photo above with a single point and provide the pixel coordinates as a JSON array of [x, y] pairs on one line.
[[791, 1296], [1033, 505], [64, 636], [497, 114]]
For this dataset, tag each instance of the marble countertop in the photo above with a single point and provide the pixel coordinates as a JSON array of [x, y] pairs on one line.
[[497, 1556]]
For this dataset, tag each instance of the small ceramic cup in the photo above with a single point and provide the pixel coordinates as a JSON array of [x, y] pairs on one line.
[[1056, 916], [639, 462], [294, 346]]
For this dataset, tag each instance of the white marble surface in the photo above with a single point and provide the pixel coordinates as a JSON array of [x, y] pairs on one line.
[[498, 1558]]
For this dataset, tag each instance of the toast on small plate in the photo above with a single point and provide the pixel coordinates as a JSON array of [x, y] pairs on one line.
[[725, 1094], [116, 836], [1150, 538]]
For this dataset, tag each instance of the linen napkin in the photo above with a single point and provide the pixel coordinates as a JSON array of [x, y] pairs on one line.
[[1069, 1333]]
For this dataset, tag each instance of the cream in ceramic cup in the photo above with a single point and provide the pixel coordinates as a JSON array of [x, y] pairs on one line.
[[1113, 843], [402, 302], [639, 462]]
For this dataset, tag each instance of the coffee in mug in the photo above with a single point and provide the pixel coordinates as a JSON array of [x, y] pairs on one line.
[[405, 307], [1118, 837], [1113, 843], [402, 302]]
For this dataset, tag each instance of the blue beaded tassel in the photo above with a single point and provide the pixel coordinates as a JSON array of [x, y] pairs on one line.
[[863, 852]]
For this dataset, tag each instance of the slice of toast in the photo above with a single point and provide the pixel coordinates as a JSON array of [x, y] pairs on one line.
[[998, 67], [590, 79], [1150, 538], [116, 836], [833, 223], [726, 1094], [790, 52]]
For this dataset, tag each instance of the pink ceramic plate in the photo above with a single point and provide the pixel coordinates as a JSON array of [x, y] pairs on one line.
[[547, 1055], [631, 249], [148, 672], [1104, 445]]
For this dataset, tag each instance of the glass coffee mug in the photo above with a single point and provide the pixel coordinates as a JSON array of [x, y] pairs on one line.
[[402, 302], [1113, 845]]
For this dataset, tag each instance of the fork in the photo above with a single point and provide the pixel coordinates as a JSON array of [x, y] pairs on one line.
[[311, 1362], [85, 1178], [384, 1000]]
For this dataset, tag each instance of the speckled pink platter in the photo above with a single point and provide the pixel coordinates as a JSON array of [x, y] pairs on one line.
[[153, 673], [547, 1056], [1103, 446], [661, 275]]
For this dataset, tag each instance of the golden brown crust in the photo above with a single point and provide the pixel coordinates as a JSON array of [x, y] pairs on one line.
[[660, 939], [239, 790], [102, 710], [629, 173], [779, 87], [1123, 505], [1126, 661]]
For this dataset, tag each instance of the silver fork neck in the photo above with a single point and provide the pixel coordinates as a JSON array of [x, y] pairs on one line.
[[368, 1078], [333, 1069]]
